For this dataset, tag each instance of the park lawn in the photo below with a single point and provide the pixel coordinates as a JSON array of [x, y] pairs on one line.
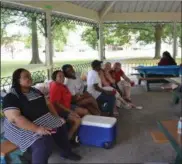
[[7, 67]]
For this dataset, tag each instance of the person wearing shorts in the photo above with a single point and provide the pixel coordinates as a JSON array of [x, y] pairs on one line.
[[62, 100]]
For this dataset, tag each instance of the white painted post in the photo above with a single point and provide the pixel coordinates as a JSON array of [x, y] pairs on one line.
[[101, 42], [174, 40], [49, 47]]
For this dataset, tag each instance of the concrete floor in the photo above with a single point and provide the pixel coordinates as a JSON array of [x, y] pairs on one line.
[[134, 142]]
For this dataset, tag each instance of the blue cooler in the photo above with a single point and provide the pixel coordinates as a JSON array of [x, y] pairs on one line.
[[98, 131]]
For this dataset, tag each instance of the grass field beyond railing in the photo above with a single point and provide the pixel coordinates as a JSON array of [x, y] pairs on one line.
[[39, 72], [7, 67]]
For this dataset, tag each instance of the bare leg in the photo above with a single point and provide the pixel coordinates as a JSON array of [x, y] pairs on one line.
[[127, 92], [91, 104], [81, 111], [75, 125]]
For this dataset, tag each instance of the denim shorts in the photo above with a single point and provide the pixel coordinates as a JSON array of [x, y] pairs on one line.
[[73, 107]]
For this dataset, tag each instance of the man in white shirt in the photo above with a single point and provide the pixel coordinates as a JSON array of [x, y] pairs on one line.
[[76, 87], [94, 87]]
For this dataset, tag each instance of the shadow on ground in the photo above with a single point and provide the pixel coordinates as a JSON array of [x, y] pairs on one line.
[[134, 143]]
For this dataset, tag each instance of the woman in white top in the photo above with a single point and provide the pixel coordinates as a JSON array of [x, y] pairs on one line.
[[76, 87]]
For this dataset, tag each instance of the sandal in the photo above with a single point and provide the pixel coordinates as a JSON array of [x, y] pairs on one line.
[[127, 106], [139, 107]]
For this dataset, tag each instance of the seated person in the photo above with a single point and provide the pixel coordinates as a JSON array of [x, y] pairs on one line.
[[108, 76], [61, 98], [120, 102], [124, 85], [107, 72], [76, 87], [31, 124], [94, 87], [166, 59]]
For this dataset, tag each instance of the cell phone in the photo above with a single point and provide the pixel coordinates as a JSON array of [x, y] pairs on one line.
[[114, 92], [53, 131], [132, 83]]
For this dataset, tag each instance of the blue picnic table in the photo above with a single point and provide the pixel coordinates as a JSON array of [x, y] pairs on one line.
[[157, 74]]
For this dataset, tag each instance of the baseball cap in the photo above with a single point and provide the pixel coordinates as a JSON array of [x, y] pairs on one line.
[[96, 63]]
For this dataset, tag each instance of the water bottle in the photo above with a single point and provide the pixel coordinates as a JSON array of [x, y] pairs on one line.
[[2, 160], [180, 126]]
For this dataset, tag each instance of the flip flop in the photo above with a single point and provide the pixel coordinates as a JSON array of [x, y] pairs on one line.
[[127, 106], [139, 107]]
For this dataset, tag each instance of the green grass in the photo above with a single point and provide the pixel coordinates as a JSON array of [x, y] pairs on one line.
[[7, 67]]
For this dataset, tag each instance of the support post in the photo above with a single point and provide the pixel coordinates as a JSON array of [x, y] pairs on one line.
[[174, 40], [101, 42], [49, 47]]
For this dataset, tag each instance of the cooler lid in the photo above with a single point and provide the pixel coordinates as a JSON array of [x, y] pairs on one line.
[[98, 121]]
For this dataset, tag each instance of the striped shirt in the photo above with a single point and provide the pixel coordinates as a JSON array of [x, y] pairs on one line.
[[24, 138]]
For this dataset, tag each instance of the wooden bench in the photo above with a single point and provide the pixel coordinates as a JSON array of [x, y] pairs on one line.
[[135, 74], [6, 148], [159, 137]]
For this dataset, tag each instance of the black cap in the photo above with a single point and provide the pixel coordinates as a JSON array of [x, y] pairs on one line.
[[96, 63]]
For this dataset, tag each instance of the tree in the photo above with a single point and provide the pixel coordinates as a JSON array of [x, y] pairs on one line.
[[120, 34], [113, 35], [35, 51], [158, 37], [116, 35], [7, 40], [168, 33], [60, 34], [90, 37], [9, 43], [5, 21]]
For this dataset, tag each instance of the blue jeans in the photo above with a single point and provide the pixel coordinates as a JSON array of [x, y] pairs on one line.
[[109, 100]]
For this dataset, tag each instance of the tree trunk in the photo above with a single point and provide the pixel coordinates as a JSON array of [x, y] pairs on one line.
[[12, 52], [158, 38], [35, 51]]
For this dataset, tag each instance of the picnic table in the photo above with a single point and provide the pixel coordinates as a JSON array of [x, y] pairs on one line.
[[176, 94], [169, 129], [156, 74]]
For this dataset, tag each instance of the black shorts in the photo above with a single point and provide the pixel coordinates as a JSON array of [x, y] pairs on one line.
[[64, 114]]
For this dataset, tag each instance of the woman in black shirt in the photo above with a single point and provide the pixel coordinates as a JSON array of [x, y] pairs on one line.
[[31, 123]]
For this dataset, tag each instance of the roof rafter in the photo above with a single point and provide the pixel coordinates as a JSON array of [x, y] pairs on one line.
[[106, 9], [65, 8], [140, 17]]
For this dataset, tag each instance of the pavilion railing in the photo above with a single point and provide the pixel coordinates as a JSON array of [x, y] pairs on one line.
[[41, 75]]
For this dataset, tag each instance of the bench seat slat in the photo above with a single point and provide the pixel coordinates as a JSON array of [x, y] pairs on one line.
[[159, 137]]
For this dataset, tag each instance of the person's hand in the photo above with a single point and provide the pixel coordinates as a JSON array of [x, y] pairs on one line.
[[43, 131], [78, 97], [74, 114]]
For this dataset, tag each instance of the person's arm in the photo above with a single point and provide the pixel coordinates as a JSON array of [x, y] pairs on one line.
[[99, 89], [60, 106], [126, 78], [109, 77], [11, 110], [103, 79], [52, 108], [15, 117]]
